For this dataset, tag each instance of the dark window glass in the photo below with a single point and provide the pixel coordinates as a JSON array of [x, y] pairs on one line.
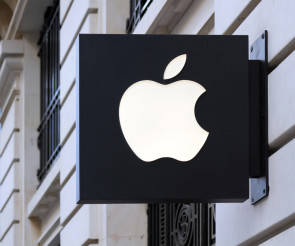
[[55, 241], [137, 10], [48, 141]]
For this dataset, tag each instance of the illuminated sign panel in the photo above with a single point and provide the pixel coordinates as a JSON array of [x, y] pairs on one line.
[[162, 118]]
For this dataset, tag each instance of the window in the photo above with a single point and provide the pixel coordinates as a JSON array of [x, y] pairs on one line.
[[137, 10], [181, 224], [48, 140]]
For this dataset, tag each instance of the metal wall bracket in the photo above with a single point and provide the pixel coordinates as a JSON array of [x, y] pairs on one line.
[[258, 170]]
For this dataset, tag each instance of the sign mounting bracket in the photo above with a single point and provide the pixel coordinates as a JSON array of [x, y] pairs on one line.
[[258, 169]]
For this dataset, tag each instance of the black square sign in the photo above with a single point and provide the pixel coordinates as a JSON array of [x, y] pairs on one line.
[[162, 118]]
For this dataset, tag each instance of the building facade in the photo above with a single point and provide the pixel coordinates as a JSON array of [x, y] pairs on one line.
[[38, 113]]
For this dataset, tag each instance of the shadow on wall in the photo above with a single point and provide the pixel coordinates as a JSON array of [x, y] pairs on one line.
[[6, 10]]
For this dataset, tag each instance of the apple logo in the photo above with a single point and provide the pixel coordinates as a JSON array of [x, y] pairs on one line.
[[159, 120]]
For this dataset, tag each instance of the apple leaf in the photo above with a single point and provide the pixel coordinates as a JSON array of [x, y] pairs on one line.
[[175, 66]]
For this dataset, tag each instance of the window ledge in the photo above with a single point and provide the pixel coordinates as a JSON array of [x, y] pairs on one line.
[[11, 64], [10, 48], [47, 193]]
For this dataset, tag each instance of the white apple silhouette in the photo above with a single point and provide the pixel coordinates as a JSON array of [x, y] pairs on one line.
[[159, 121]]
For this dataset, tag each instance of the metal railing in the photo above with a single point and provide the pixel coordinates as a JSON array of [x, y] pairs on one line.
[[137, 10], [181, 224], [49, 129]]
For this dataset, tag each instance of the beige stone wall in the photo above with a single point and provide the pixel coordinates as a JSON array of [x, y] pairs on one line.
[[19, 156], [267, 222], [33, 213], [271, 221], [36, 216]]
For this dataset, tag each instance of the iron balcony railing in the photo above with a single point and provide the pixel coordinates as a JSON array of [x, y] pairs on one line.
[[49, 129], [137, 10]]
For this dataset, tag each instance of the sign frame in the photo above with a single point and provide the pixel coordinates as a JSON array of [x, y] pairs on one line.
[[229, 60]]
